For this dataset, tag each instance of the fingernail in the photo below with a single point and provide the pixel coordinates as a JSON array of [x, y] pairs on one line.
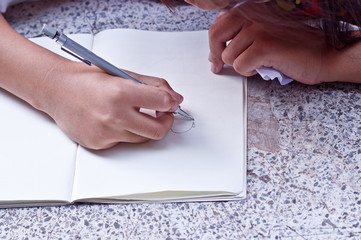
[[210, 57], [159, 114], [174, 106], [214, 68], [221, 13]]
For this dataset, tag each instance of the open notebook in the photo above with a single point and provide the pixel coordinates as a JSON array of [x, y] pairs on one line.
[[40, 165]]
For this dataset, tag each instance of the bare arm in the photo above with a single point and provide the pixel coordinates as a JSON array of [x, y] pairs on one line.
[[91, 107], [24, 66]]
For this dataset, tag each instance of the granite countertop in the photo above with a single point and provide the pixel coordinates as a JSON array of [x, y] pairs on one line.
[[304, 155]]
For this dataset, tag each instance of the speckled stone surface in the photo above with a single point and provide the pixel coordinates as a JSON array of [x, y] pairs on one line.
[[304, 155]]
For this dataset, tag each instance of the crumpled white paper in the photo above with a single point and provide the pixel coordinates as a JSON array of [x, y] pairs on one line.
[[268, 73]]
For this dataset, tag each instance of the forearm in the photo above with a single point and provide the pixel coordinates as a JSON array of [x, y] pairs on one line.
[[24, 66], [345, 65]]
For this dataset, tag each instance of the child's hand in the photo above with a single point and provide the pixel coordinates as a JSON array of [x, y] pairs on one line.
[[303, 56], [98, 110]]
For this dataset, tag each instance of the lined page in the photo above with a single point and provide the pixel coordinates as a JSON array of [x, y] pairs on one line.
[[206, 159]]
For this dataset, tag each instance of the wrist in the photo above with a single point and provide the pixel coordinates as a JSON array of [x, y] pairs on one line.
[[52, 86], [344, 66]]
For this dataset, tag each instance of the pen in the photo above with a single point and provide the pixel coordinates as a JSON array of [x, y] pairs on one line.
[[89, 58]]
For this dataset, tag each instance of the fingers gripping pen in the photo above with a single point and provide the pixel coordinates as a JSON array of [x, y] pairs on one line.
[[89, 58]]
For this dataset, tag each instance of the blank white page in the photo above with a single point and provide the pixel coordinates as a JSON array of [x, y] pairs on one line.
[[37, 159], [208, 159]]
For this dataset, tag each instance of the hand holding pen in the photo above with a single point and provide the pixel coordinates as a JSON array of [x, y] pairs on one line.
[[93, 108], [88, 57], [98, 110]]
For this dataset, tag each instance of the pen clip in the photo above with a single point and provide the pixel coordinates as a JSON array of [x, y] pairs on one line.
[[76, 56]]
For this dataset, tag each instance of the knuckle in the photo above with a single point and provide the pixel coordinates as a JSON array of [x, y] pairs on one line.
[[238, 67], [161, 128], [94, 146], [118, 89], [159, 132], [227, 57], [109, 119], [161, 82], [101, 117], [213, 31], [166, 101], [139, 140], [95, 142], [263, 43]]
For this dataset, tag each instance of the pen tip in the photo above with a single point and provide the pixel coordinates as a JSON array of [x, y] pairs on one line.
[[183, 113]]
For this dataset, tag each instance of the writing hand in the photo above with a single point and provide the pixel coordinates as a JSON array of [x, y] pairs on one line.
[[98, 110]]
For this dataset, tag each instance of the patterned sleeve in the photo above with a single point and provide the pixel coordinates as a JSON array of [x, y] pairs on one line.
[[310, 7], [314, 9]]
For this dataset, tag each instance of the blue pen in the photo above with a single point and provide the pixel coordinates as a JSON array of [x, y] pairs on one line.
[[89, 58]]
